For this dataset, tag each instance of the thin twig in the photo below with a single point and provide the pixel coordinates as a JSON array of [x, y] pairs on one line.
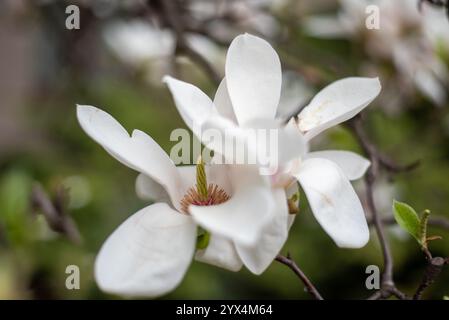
[[388, 287], [370, 151], [288, 261], [54, 212]]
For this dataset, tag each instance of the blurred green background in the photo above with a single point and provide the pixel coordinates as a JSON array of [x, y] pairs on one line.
[[46, 70]]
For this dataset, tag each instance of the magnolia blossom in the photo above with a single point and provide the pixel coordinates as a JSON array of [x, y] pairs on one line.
[[407, 37], [148, 255], [249, 95]]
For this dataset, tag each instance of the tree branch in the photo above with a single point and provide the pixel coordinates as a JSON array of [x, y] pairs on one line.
[[388, 287], [175, 21], [288, 261], [372, 154], [433, 270], [54, 212]]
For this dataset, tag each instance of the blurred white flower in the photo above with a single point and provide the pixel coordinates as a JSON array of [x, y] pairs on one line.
[[407, 37], [150, 252], [145, 47], [249, 97], [229, 18]]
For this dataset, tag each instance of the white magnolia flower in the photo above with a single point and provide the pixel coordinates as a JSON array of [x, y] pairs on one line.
[[249, 97], [150, 252], [407, 37]]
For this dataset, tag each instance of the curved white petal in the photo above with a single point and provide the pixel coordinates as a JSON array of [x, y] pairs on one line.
[[192, 103], [223, 103], [253, 77], [258, 257], [353, 165], [149, 189], [292, 144], [334, 202], [148, 254], [223, 136], [220, 252], [336, 103], [243, 217], [139, 151]]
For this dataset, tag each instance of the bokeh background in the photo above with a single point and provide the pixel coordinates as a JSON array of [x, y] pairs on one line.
[[115, 61]]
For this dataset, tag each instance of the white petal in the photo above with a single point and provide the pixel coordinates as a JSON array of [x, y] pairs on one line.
[[243, 217], [148, 254], [353, 165], [222, 136], [253, 76], [220, 252], [149, 189], [192, 103], [291, 144], [334, 202], [258, 257], [223, 103], [336, 103], [274, 145], [139, 152]]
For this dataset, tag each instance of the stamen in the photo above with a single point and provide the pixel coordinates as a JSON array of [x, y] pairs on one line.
[[215, 195]]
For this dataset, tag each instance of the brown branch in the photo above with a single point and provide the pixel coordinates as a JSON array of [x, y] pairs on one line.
[[54, 212], [371, 150], [288, 261], [433, 270], [371, 153], [175, 21]]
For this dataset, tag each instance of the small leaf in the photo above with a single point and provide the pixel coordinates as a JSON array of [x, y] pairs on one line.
[[408, 219]]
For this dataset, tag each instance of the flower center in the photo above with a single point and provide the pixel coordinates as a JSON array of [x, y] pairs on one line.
[[215, 195], [203, 194]]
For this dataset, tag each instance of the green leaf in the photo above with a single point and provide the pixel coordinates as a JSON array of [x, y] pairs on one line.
[[408, 219]]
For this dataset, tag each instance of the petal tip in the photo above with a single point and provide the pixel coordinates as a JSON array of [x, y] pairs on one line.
[[81, 108], [167, 78], [354, 243]]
